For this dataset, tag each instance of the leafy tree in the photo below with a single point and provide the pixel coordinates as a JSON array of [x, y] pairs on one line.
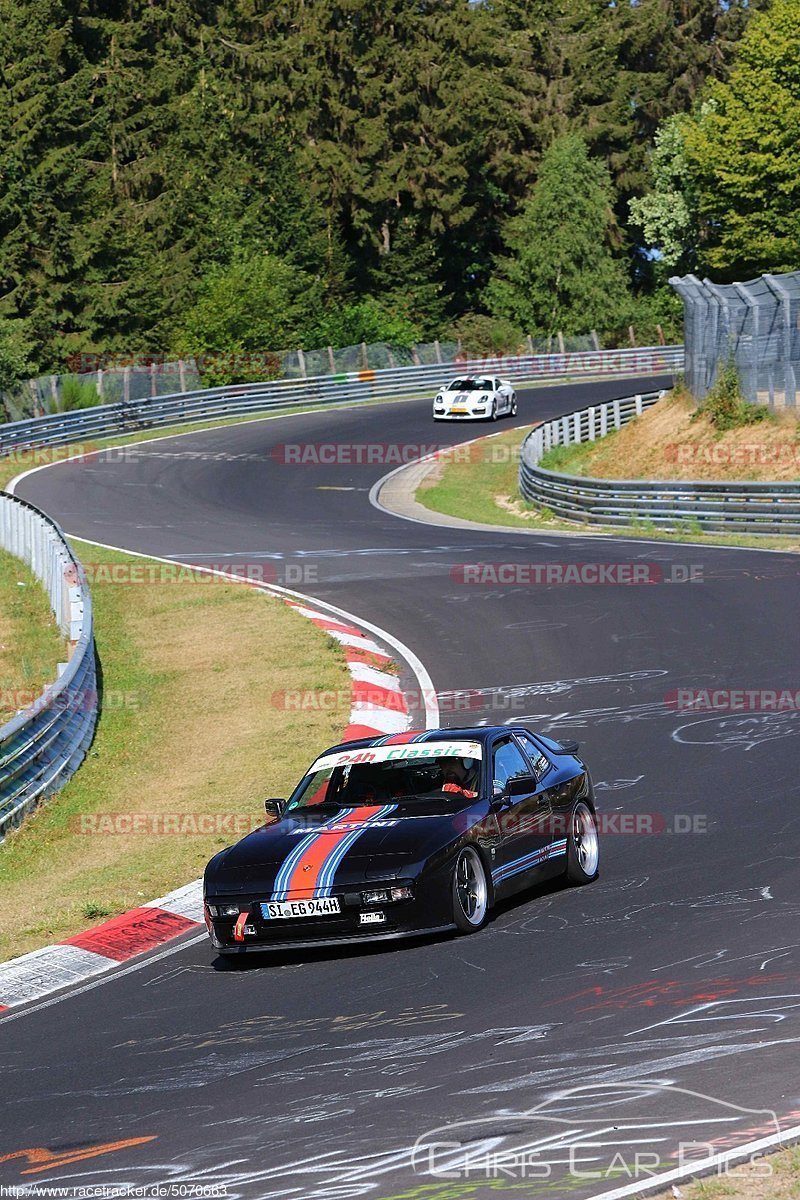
[[668, 214], [562, 273], [350, 323], [742, 153], [258, 303], [482, 335]]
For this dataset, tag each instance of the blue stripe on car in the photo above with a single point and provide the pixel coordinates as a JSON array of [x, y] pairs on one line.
[[527, 861], [331, 864], [280, 887]]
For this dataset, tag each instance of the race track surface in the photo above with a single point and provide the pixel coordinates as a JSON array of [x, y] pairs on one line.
[[655, 1008]]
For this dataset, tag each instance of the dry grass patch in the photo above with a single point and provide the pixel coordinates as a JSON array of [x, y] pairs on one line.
[[31, 646], [669, 441], [190, 725], [486, 490]]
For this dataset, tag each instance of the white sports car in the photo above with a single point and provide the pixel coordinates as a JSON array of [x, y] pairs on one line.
[[471, 396]]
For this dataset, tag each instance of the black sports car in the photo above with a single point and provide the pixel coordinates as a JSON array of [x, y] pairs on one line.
[[405, 834]]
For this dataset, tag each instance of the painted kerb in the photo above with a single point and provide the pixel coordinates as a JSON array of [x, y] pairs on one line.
[[354, 388], [45, 744], [728, 507]]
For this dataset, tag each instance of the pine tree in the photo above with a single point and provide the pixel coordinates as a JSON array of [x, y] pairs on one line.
[[561, 273]]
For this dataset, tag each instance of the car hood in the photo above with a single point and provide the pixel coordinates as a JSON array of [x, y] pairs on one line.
[[466, 397], [385, 845]]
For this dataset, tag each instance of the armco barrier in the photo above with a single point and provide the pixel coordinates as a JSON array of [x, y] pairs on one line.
[[44, 744], [734, 507], [105, 420]]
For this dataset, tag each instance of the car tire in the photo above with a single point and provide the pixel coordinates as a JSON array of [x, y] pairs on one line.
[[470, 891], [583, 847], [512, 412], [493, 413]]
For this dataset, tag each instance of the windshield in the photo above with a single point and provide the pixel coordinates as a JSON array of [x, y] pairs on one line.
[[470, 385], [418, 779]]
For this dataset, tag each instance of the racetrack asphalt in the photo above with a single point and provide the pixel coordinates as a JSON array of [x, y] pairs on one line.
[[654, 1008]]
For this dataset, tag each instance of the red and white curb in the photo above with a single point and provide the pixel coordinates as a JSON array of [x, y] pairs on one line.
[[377, 706]]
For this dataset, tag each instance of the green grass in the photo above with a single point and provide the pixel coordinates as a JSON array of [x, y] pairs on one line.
[[191, 725], [486, 490], [572, 460], [31, 645]]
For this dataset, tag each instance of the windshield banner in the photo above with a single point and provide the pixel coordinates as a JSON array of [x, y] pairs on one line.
[[408, 753]]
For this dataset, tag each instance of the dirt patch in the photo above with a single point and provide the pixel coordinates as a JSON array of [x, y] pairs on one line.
[[667, 443]]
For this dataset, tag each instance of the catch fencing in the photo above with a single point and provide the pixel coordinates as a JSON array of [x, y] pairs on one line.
[[117, 378], [755, 325], [735, 507], [45, 743], [358, 387]]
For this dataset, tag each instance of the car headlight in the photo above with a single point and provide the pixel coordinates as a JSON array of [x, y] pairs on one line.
[[483, 399], [439, 399], [224, 910], [387, 895]]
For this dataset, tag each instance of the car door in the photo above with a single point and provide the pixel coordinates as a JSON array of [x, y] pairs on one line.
[[561, 792], [504, 394], [524, 819]]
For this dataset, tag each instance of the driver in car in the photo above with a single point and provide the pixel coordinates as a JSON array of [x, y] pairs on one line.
[[461, 777]]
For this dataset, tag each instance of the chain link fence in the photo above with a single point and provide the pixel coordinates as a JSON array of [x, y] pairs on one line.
[[110, 379], [756, 325]]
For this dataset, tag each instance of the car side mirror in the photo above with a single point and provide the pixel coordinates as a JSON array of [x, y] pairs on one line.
[[522, 785], [274, 808], [500, 797]]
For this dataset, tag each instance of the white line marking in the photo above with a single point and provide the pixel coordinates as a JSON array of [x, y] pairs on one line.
[[88, 987], [704, 1166]]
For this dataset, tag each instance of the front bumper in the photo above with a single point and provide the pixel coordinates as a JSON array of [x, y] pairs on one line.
[[459, 416], [424, 913]]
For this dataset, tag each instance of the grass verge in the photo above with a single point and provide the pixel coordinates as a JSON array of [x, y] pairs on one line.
[[774, 1177], [190, 726], [31, 645], [485, 489]]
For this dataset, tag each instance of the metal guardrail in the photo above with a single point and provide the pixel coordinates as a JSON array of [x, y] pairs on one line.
[[727, 507], [44, 744], [105, 420]]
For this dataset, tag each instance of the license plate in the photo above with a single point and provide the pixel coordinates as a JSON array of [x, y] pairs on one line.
[[459, 412], [272, 910], [376, 918]]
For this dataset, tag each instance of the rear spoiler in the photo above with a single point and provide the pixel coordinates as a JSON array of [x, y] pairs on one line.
[[570, 747]]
